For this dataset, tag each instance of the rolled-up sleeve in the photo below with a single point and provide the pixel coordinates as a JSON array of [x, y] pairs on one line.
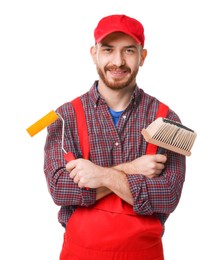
[[63, 190], [160, 194]]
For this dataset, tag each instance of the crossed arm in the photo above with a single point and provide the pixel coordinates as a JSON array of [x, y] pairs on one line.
[[114, 179]]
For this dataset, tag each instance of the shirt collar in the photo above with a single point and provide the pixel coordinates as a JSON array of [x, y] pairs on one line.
[[96, 98]]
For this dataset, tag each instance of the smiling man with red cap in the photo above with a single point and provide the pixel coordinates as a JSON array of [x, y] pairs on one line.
[[118, 193]]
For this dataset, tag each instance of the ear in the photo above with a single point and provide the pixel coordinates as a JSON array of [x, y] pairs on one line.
[[93, 53], [143, 56]]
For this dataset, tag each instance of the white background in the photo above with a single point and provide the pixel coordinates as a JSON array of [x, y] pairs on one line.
[[45, 61]]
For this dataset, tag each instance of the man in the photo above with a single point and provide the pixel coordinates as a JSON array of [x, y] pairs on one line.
[[115, 202]]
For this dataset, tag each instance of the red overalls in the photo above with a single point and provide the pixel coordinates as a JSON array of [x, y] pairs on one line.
[[110, 229]]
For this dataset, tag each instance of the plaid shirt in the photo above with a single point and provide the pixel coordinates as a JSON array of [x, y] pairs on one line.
[[111, 145]]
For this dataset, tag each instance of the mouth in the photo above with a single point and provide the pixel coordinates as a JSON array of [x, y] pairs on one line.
[[118, 72]]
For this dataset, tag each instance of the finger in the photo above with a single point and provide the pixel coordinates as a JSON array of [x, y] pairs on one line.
[[160, 166], [71, 165], [153, 175], [73, 173], [161, 158], [81, 183], [76, 179]]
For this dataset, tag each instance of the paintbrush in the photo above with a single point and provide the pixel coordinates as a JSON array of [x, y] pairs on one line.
[[170, 135]]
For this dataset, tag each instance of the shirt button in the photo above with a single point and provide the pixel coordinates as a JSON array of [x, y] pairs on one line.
[[116, 143], [124, 117]]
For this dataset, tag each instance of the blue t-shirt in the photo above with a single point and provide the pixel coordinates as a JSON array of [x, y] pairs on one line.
[[115, 115]]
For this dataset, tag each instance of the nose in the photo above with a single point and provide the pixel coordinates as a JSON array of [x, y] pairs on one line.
[[118, 59]]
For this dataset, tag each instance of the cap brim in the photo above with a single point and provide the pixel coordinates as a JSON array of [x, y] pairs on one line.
[[113, 31]]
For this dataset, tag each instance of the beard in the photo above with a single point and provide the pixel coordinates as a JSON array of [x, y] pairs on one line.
[[117, 83]]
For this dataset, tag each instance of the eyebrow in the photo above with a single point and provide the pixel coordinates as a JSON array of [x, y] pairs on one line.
[[126, 47]]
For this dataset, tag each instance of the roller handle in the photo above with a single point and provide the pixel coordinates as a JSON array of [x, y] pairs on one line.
[[69, 157]]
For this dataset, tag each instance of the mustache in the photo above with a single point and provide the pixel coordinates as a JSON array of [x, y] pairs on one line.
[[114, 67]]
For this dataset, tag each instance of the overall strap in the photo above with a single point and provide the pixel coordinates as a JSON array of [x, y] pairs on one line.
[[82, 126], [162, 112]]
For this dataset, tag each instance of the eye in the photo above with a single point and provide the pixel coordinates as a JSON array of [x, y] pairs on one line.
[[129, 51], [107, 50]]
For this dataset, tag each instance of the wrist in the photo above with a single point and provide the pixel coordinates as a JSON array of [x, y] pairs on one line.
[[127, 168]]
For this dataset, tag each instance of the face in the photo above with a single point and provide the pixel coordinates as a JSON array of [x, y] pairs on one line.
[[117, 60]]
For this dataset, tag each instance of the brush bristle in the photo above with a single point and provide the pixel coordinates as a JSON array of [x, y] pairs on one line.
[[42, 123], [170, 135]]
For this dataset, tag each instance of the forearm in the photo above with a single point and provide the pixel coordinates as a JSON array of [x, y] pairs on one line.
[[162, 194], [127, 168], [117, 182], [150, 166], [102, 192], [105, 180]]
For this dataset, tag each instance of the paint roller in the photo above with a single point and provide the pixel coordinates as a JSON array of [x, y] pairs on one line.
[[46, 121]]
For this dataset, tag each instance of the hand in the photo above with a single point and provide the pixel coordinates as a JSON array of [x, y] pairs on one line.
[[105, 180], [149, 165], [85, 173]]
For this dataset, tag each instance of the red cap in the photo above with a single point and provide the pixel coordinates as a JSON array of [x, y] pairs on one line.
[[119, 23]]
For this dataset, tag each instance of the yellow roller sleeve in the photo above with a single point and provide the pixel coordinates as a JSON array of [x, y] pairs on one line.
[[42, 123]]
